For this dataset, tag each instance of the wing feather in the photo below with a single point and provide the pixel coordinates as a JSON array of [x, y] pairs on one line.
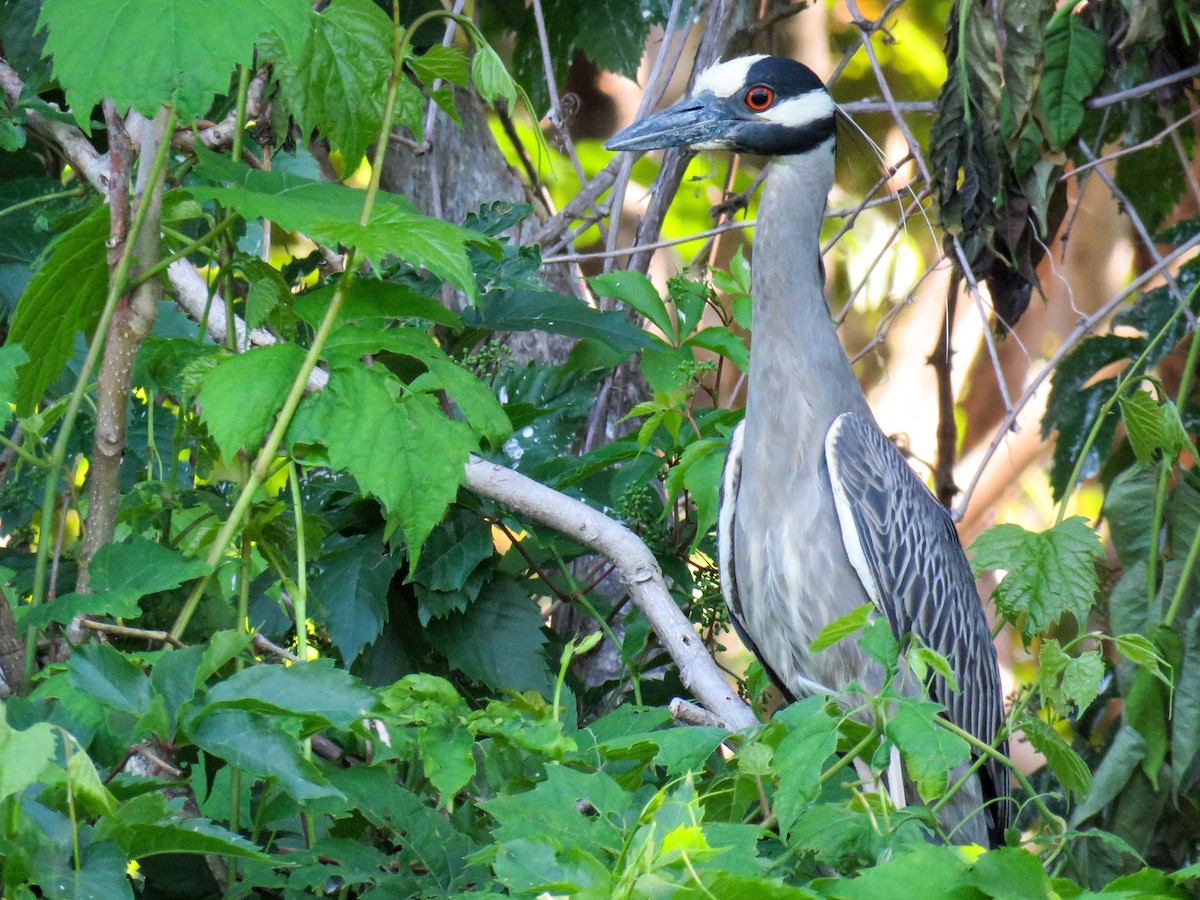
[[905, 549]]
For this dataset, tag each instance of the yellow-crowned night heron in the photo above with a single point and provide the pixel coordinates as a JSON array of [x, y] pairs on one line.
[[820, 513]]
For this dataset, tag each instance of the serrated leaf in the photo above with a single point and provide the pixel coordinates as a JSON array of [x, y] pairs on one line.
[[255, 744], [334, 72], [800, 757], [1068, 681], [329, 213], [527, 310], [403, 451], [350, 593], [241, 397], [491, 78], [722, 341], [453, 551], [478, 405], [1152, 427], [145, 53], [1068, 766], [447, 752], [1140, 650], [310, 690], [65, 297], [841, 628], [1074, 66], [613, 35], [371, 300], [446, 63], [1048, 573], [498, 640]]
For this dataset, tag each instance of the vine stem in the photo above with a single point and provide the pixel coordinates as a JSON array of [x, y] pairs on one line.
[[116, 289], [260, 469]]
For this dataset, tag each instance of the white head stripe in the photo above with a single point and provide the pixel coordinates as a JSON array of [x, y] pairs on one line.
[[725, 78], [796, 112]]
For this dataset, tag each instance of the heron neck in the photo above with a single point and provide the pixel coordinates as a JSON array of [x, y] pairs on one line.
[[799, 375]]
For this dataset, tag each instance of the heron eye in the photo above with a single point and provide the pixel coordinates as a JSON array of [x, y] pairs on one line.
[[760, 97]]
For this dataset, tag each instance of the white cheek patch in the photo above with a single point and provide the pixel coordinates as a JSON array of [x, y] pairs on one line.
[[796, 112], [726, 78]]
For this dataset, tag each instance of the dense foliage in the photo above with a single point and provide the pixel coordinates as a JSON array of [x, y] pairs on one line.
[[261, 636]]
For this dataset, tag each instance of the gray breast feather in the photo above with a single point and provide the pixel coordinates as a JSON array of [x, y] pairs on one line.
[[905, 549]]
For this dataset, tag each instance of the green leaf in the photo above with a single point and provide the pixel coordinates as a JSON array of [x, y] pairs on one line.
[[351, 592], [333, 75], [310, 690], [527, 310], [1048, 573], [329, 214], [930, 751], [1153, 427], [1068, 766], [253, 743], [109, 677], [143, 566], [613, 35], [241, 397], [636, 291], [841, 628], [498, 640], [118, 604], [1010, 872], [491, 78], [26, 754], [723, 342], [454, 550], [145, 53], [1124, 753], [446, 63], [1185, 711], [476, 401], [1129, 511], [1074, 66], [1067, 681], [404, 451], [381, 302], [1141, 651], [447, 752], [64, 298], [800, 757], [145, 826]]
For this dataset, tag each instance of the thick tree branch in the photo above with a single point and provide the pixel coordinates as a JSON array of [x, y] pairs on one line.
[[636, 567]]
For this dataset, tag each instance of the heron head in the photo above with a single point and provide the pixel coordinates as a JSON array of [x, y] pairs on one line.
[[769, 105]]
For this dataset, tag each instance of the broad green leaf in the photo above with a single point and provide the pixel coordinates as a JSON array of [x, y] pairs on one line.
[[371, 300], [1122, 757], [404, 451], [255, 744], [145, 826], [1068, 766], [916, 871], [841, 628], [453, 551], [350, 593], [703, 481], [1010, 872], [144, 566], [1129, 511], [930, 751], [1148, 703], [311, 690], [498, 640], [613, 35], [1140, 650], [241, 397], [25, 754], [474, 399], [723, 342], [636, 291], [108, 676], [1068, 681], [329, 213], [266, 291], [446, 63], [333, 75], [800, 757], [447, 753], [526, 310], [118, 604], [1048, 573], [491, 78], [83, 781], [102, 874], [1152, 427], [1185, 711], [64, 298], [145, 53], [1074, 66]]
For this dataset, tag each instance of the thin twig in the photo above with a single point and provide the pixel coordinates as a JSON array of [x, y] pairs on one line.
[[160, 637]]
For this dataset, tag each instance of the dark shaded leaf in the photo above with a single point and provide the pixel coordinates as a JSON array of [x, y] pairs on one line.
[[310, 690], [1074, 66], [107, 676]]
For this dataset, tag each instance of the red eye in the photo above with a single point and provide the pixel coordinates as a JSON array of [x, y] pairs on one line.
[[760, 97]]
